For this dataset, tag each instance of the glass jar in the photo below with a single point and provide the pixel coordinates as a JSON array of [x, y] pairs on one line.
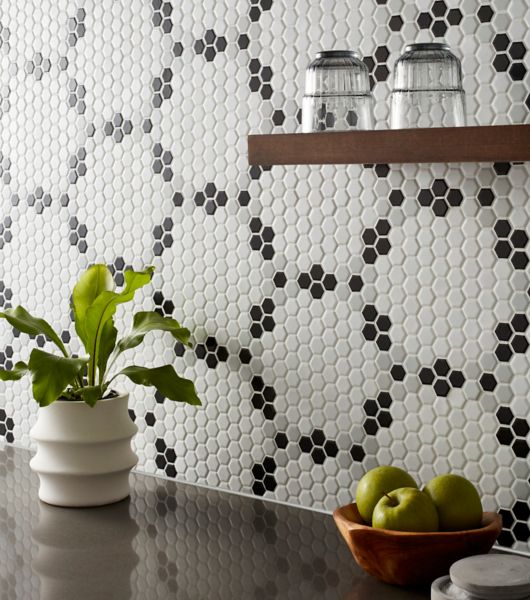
[[428, 88], [337, 93]]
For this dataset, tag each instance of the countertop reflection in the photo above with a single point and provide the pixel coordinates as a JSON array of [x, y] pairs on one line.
[[170, 540]]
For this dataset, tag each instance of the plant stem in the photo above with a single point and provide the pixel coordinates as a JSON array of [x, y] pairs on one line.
[[102, 375], [91, 371], [112, 378], [110, 364], [66, 354]]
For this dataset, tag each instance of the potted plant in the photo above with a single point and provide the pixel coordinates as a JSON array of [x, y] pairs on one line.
[[83, 430]]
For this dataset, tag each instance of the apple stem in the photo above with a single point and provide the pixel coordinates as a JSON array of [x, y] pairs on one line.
[[392, 501]]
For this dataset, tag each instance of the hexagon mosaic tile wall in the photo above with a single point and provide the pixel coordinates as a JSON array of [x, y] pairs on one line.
[[342, 316]]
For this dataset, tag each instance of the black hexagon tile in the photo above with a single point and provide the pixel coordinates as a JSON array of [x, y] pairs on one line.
[[439, 197], [317, 281], [209, 45], [318, 446], [442, 378], [439, 18]]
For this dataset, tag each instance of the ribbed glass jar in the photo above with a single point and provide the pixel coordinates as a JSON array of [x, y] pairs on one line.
[[337, 93], [428, 88]]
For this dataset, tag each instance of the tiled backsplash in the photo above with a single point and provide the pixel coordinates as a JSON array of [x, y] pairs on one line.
[[343, 316]]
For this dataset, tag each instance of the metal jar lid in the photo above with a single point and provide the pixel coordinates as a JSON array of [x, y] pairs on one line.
[[427, 47], [338, 54]]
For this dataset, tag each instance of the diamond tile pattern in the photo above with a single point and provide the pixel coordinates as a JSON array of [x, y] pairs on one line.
[[342, 316]]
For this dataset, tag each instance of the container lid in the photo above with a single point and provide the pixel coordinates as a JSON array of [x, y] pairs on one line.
[[493, 576], [337, 54], [434, 46]]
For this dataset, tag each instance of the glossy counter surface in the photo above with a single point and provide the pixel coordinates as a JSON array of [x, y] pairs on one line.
[[170, 540]]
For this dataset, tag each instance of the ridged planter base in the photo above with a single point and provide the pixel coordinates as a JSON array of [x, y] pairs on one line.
[[84, 453]]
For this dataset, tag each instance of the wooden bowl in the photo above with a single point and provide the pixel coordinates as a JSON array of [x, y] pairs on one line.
[[412, 559]]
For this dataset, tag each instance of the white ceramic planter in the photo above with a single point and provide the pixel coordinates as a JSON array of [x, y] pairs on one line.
[[84, 453]]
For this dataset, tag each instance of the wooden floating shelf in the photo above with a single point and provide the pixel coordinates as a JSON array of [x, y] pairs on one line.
[[496, 143]]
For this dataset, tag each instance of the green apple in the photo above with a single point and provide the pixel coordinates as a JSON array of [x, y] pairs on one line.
[[377, 482], [457, 502], [405, 509]]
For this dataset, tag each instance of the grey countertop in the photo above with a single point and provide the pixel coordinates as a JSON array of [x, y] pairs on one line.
[[171, 540]]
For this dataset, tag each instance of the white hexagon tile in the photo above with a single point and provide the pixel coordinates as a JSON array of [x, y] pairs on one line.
[[342, 317]]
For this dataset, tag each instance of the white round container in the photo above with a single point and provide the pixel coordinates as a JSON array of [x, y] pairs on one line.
[[492, 576], [84, 453]]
